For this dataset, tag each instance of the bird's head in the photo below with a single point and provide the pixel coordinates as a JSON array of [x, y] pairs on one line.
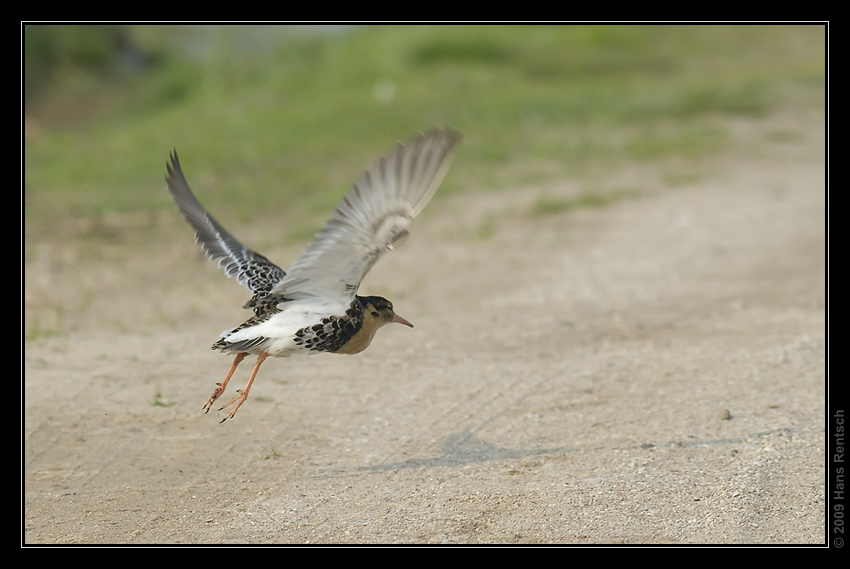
[[379, 311]]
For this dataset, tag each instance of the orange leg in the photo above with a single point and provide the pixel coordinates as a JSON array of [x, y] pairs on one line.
[[243, 393], [221, 386]]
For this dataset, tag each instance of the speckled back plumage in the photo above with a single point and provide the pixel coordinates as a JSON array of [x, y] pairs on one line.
[[332, 332]]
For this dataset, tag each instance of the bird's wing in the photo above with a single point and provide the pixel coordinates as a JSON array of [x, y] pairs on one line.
[[372, 218], [251, 269]]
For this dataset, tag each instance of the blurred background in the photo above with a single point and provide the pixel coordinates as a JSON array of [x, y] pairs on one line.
[[618, 292], [275, 121]]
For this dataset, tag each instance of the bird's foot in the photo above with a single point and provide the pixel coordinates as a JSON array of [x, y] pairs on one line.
[[219, 389], [242, 395]]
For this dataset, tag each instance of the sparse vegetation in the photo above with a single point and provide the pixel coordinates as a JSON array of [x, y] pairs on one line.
[[587, 199], [273, 454], [277, 118], [159, 401], [273, 123]]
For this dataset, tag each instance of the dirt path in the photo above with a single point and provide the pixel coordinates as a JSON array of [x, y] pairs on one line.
[[652, 371]]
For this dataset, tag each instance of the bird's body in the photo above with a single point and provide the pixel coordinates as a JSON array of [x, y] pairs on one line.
[[313, 306], [306, 326]]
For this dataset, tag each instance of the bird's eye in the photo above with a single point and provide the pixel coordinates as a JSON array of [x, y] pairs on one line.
[[375, 314]]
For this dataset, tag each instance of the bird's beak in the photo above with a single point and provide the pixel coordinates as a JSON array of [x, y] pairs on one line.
[[400, 320]]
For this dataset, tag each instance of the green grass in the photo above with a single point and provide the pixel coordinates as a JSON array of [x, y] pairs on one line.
[[37, 330], [159, 401], [587, 199], [279, 124], [272, 455]]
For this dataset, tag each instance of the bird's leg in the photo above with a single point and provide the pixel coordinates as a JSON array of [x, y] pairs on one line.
[[221, 386], [243, 393]]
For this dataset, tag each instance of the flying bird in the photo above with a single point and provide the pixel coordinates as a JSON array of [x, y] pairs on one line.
[[313, 306]]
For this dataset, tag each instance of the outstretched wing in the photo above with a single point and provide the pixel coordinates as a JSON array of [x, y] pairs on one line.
[[372, 218], [250, 269]]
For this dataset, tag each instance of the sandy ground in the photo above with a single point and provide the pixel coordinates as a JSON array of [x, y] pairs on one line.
[[647, 372]]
